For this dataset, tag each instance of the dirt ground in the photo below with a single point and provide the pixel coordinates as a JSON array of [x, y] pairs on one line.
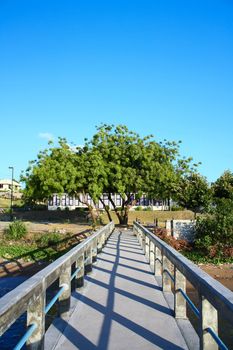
[[222, 273], [50, 227]]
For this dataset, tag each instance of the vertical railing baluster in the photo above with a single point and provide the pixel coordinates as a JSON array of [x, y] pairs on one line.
[[180, 306], [209, 319], [152, 256], [99, 244], [64, 299], [147, 248], [144, 243], [102, 240], [158, 261], [36, 315], [166, 281], [80, 275], [88, 258], [94, 250], [140, 238]]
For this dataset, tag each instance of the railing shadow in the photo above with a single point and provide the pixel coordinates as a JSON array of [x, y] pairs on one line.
[[127, 266], [110, 315], [6, 266]]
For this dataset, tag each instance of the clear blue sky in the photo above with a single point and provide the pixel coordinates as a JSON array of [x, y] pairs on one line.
[[158, 66]]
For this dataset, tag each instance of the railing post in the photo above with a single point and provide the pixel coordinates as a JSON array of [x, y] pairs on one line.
[[99, 244], [139, 235], [158, 261], [152, 256], [209, 319], [179, 301], [36, 315], [147, 248], [168, 226], [88, 259], [144, 243], [80, 275], [94, 250], [166, 282], [102, 240], [64, 299]]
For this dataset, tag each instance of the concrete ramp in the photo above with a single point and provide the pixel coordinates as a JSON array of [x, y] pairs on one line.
[[121, 306]]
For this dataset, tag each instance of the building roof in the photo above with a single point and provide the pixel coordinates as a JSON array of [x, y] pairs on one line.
[[8, 182]]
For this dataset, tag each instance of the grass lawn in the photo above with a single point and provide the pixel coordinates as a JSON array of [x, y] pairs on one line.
[[6, 203], [149, 216]]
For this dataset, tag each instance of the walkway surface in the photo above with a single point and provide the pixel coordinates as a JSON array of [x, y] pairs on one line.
[[121, 306]]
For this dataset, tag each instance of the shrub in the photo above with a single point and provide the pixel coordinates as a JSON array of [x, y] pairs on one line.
[[149, 208], [178, 244], [48, 239], [214, 233], [176, 208], [16, 230], [139, 208]]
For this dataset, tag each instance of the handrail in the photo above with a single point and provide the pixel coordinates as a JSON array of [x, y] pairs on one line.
[[26, 336], [216, 338], [32, 291], [214, 297], [218, 295], [54, 299]]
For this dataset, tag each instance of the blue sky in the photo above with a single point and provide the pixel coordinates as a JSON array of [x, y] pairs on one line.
[[161, 67]]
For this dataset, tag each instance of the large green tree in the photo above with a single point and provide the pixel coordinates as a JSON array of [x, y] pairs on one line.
[[114, 160], [134, 165]]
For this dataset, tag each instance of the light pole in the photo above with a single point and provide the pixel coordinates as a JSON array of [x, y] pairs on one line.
[[12, 189]]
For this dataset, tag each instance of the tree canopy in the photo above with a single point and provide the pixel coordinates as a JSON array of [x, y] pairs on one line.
[[114, 160]]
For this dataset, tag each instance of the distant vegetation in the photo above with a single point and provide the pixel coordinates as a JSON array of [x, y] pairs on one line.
[[117, 160], [37, 246]]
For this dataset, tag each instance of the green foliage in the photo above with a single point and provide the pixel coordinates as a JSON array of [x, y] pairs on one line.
[[176, 208], [193, 192], [214, 232], [148, 209], [49, 239], [200, 257], [139, 208], [223, 187], [115, 160], [16, 230]]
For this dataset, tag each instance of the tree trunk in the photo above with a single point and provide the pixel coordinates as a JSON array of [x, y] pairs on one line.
[[93, 213], [106, 209], [115, 208]]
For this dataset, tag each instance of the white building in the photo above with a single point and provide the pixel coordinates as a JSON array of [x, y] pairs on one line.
[[5, 188], [71, 202], [5, 185]]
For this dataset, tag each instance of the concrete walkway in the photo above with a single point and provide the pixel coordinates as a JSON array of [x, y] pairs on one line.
[[121, 306]]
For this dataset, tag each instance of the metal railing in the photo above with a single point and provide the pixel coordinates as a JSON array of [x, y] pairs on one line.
[[173, 267], [30, 296]]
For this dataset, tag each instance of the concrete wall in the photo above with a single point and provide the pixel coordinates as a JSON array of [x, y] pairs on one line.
[[181, 229]]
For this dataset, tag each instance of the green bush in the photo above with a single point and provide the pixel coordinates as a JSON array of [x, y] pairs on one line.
[[176, 208], [16, 230], [214, 232], [139, 208], [149, 208], [48, 239]]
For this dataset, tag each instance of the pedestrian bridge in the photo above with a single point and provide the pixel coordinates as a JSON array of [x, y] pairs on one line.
[[129, 292]]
